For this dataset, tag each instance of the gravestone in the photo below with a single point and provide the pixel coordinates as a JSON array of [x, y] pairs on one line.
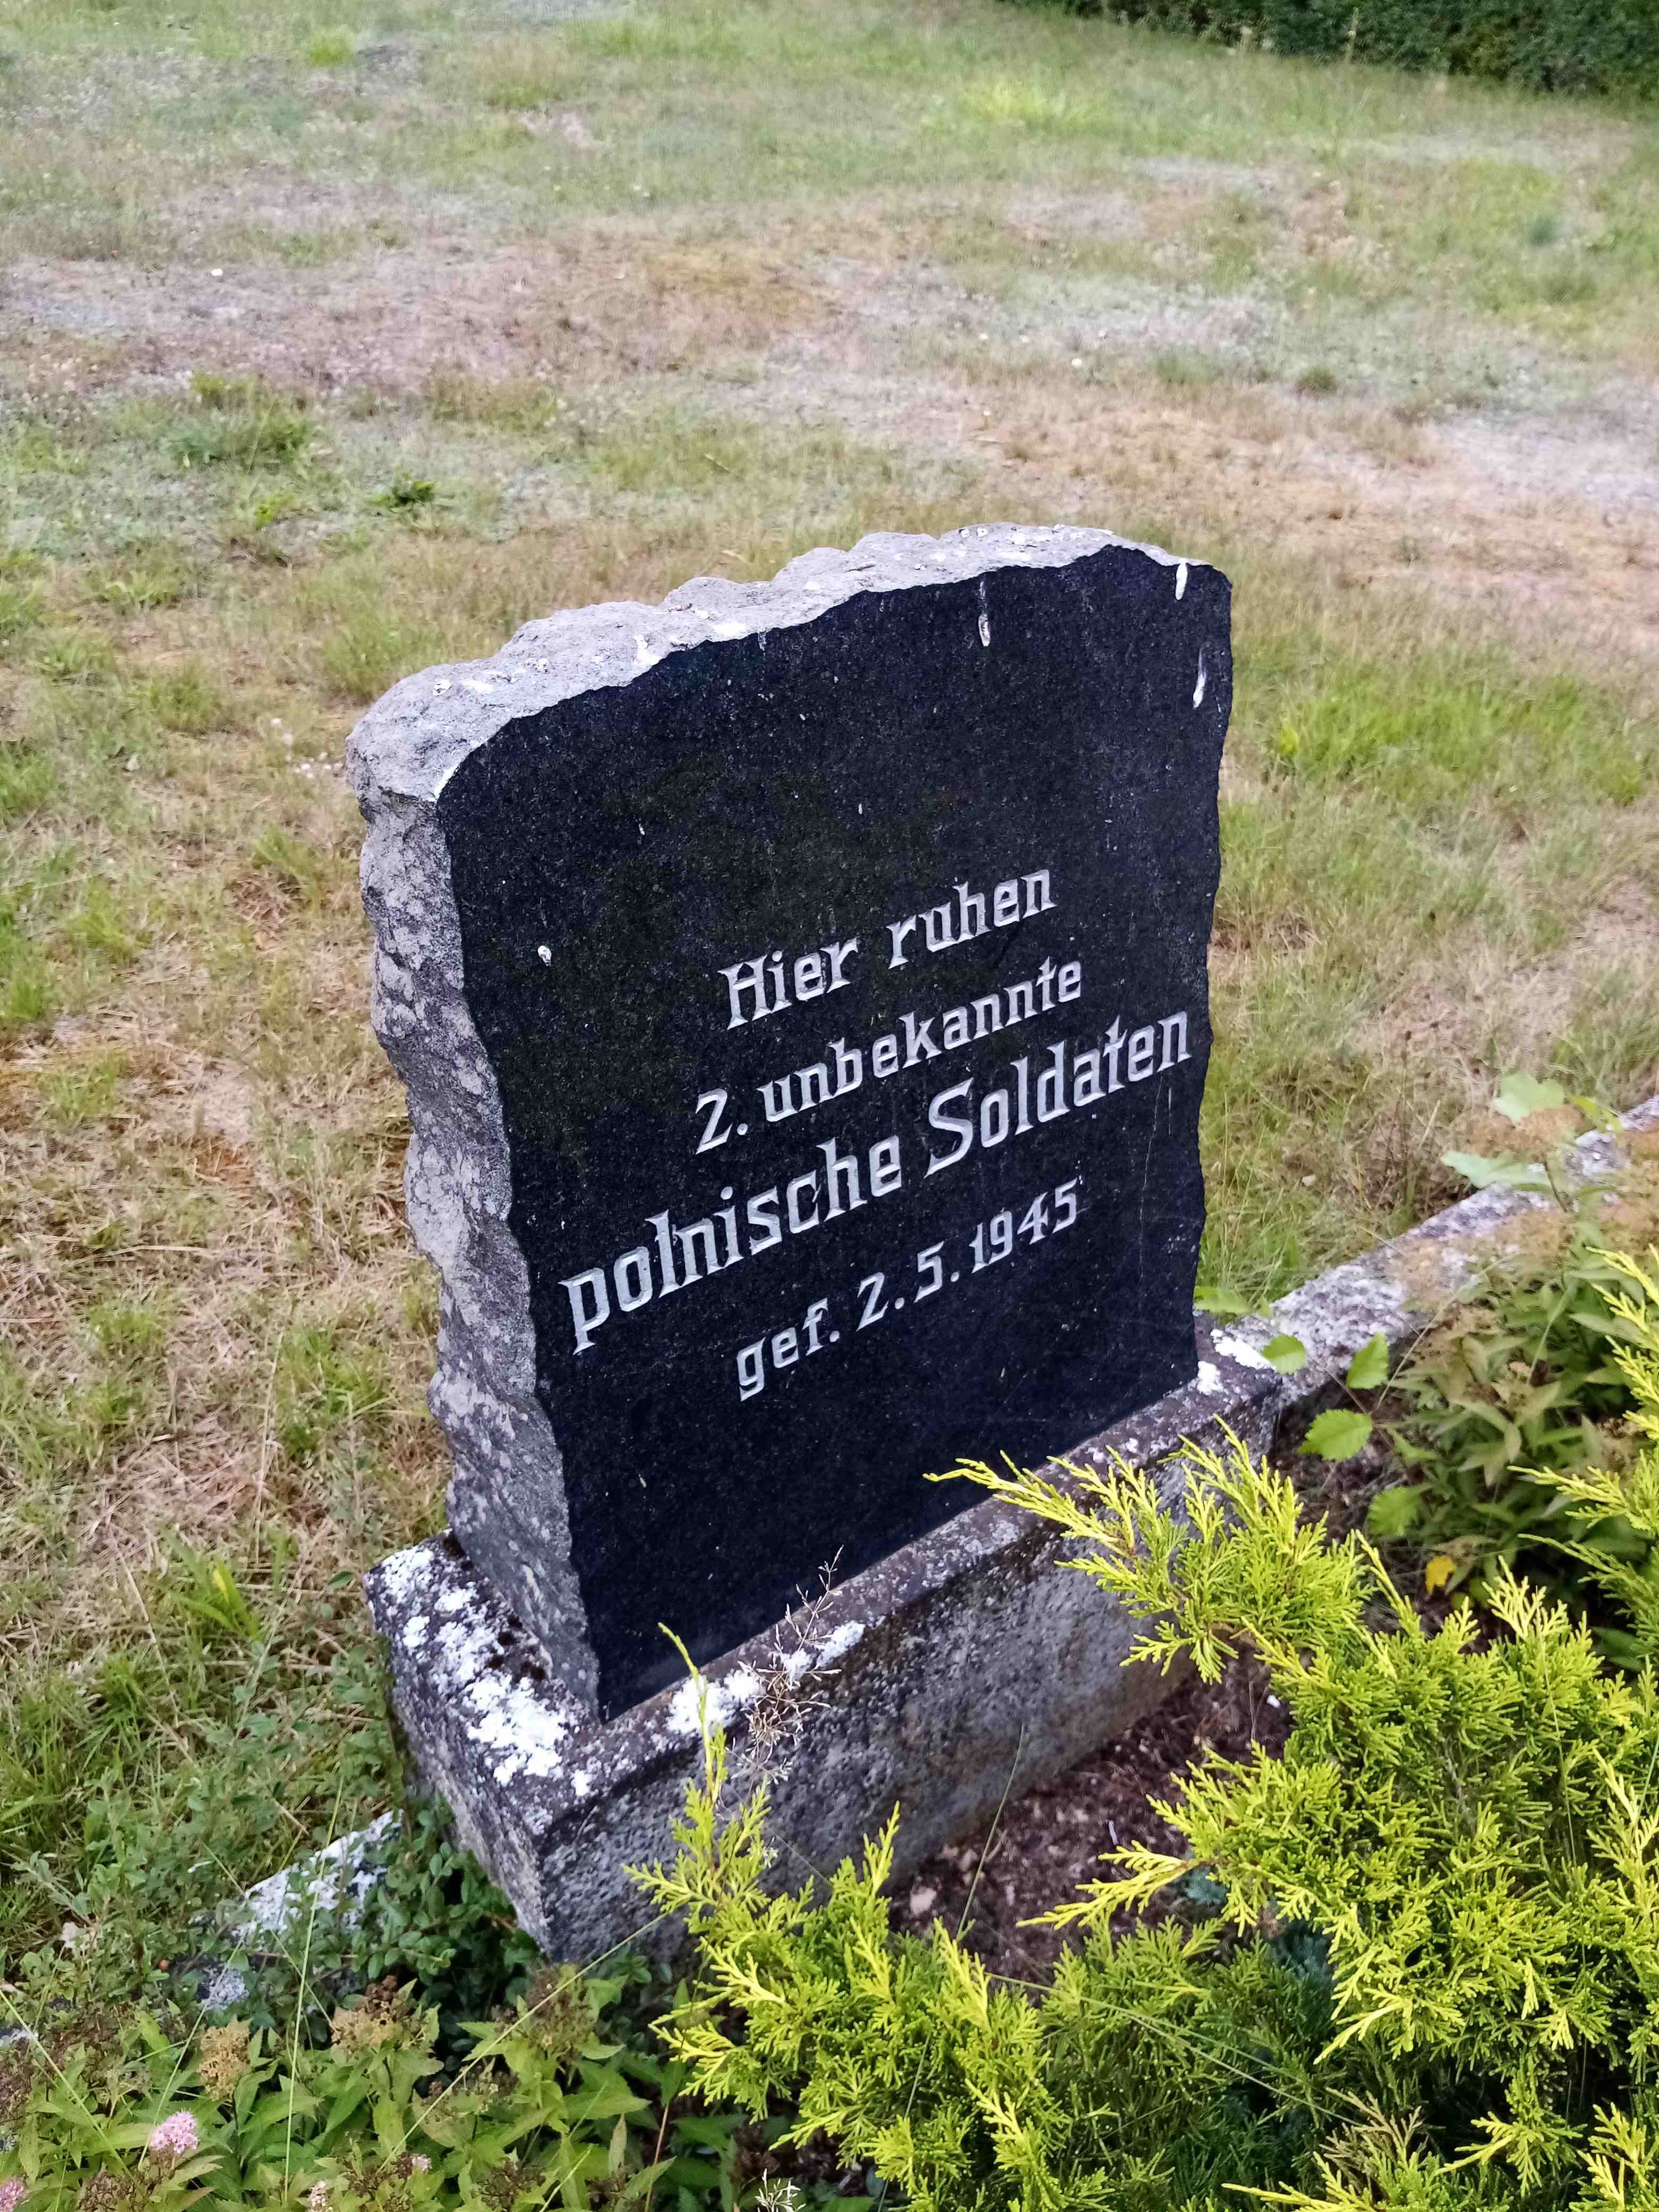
[[800, 990]]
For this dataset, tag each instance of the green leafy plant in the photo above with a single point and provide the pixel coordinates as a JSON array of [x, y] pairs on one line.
[[1518, 1389], [548, 2104], [245, 424], [1519, 1098], [1338, 1431], [427, 1913], [1430, 1979], [406, 491]]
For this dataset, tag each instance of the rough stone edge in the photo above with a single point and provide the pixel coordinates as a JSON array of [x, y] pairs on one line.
[[506, 1500], [399, 748], [457, 1191], [554, 1805]]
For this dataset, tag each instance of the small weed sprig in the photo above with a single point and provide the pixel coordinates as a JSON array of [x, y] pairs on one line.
[[1520, 1389], [1516, 1383], [1520, 1406]]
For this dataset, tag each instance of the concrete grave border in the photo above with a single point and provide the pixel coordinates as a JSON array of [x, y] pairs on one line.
[[968, 1661]]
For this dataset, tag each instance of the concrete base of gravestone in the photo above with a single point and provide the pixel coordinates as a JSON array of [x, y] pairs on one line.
[[965, 1663], [968, 1664]]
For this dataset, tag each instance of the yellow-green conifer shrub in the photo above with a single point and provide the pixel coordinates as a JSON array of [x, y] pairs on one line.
[[1434, 1980]]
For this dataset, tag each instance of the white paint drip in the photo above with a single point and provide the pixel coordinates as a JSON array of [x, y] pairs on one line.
[[1209, 1378], [515, 1721], [740, 1687], [544, 954], [404, 1571], [1245, 1355], [1203, 678], [840, 1642], [1180, 580]]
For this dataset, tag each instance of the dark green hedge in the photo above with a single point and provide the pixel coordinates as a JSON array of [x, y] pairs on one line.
[[1548, 45]]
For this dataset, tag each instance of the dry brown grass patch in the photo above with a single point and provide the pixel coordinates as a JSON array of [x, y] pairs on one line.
[[1335, 490], [581, 304]]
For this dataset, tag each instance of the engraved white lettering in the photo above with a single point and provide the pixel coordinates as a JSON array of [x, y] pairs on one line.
[[840, 1181], [809, 975], [809, 1181], [715, 1101], [918, 1040], [755, 988], [944, 927], [698, 1236], [960, 1126], [632, 1275], [747, 976], [762, 1213], [886, 1174], [590, 1303], [1112, 1043]]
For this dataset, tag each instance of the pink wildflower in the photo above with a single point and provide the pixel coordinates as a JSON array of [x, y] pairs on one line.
[[12, 2194], [317, 2197], [175, 2136], [418, 2159]]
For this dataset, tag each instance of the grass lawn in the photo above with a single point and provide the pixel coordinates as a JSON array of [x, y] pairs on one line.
[[335, 343]]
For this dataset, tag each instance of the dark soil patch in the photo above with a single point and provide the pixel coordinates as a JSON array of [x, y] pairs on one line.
[[1046, 1844]]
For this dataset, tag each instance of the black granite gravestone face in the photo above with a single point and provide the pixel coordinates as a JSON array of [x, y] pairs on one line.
[[840, 973]]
